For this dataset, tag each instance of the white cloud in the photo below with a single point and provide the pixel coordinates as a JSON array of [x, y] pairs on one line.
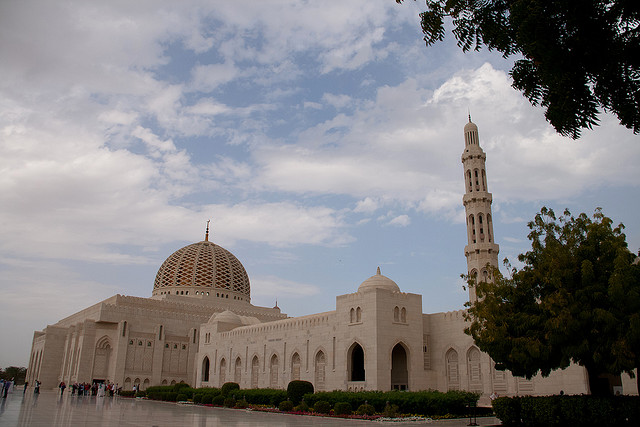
[[400, 220]]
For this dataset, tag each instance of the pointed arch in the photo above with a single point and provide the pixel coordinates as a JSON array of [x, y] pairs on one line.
[[102, 358], [273, 372], [355, 362], [396, 314], [484, 180], [295, 366], [255, 371], [403, 315], [222, 373], [453, 373], [352, 315], [319, 371], [474, 369], [399, 367], [358, 314], [469, 181], [206, 365], [237, 373]]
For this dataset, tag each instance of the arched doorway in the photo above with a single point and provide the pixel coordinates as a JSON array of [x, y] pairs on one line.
[[399, 368], [102, 358], [356, 363], [205, 369]]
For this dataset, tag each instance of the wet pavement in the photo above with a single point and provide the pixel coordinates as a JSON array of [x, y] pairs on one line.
[[49, 409]]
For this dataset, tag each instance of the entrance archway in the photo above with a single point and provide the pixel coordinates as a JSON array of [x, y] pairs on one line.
[[356, 363], [399, 368]]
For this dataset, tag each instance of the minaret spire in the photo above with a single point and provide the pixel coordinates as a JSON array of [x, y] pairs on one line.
[[481, 250], [206, 234]]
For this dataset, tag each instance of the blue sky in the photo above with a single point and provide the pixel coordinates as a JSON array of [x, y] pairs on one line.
[[323, 139]]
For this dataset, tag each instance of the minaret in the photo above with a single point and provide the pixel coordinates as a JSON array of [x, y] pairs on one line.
[[481, 248]]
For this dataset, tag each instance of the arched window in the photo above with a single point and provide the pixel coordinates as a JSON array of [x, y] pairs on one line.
[[358, 314], [475, 174], [255, 372], [273, 372], [352, 315], [469, 181], [223, 369], [484, 181], [453, 374], [237, 374], [295, 367], [356, 363], [403, 315], [474, 369], [205, 369], [319, 375], [396, 314]]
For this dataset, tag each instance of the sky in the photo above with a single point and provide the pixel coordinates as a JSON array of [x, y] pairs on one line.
[[322, 140]]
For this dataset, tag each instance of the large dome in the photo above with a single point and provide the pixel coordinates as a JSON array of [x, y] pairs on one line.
[[203, 268]]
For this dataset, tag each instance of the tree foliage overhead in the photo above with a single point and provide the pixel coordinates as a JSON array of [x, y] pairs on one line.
[[576, 299], [575, 56]]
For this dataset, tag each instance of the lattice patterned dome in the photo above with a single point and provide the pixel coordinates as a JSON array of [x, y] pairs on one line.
[[203, 268]]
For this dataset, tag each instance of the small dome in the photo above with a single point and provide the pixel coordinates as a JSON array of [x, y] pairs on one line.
[[379, 282], [470, 127], [228, 317]]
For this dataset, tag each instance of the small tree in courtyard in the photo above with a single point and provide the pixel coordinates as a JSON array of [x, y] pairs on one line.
[[576, 299]]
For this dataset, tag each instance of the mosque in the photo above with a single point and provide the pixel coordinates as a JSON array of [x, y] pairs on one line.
[[200, 327]]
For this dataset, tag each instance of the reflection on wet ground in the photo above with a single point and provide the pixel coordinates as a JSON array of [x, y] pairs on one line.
[[49, 409]]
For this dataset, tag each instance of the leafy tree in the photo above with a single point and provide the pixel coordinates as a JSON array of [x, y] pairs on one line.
[[576, 299], [16, 373], [573, 56]]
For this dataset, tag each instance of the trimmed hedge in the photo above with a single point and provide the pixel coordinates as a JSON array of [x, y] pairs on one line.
[[322, 407], [419, 402], [342, 408], [297, 389], [568, 410], [263, 396], [229, 388], [286, 406]]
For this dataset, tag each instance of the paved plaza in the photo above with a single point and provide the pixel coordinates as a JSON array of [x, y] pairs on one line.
[[49, 409]]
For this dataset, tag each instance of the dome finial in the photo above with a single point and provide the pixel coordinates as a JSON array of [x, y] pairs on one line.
[[378, 272], [206, 234], [469, 111]]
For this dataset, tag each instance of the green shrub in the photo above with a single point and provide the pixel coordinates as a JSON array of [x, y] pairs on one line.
[[181, 397], [568, 410], [322, 407], [286, 406], [297, 389], [197, 397], [141, 393], [179, 386], [228, 388], [218, 400], [302, 407], [206, 399], [507, 410], [241, 404], [229, 402], [264, 396], [390, 411], [126, 393], [342, 408], [365, 409]]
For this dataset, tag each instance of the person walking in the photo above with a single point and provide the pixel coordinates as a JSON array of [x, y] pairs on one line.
[[62, 386]]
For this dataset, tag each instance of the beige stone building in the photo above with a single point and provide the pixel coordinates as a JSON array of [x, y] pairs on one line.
[[200, 327]]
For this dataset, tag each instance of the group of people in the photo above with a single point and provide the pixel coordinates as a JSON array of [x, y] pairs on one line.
[[95, 389], [6, 386]]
